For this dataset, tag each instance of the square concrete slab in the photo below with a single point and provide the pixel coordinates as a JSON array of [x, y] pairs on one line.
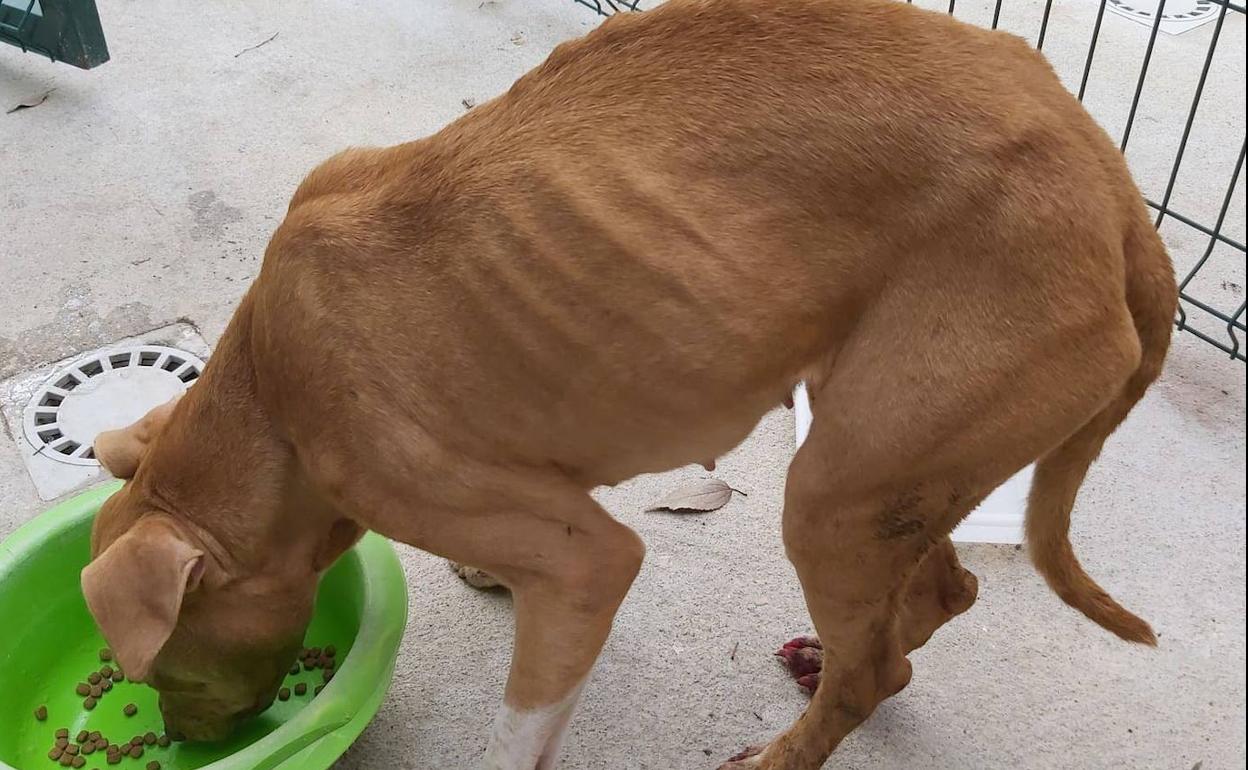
[[54, 411]]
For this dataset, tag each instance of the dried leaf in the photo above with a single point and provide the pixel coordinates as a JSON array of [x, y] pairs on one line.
[[30, 101], [696, 497]]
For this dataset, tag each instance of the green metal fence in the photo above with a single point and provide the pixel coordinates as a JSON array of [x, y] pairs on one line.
[[63, 30]]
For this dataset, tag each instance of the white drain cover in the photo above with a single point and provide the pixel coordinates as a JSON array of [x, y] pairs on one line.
[[53, 413], [107, 390], [1178, 16]]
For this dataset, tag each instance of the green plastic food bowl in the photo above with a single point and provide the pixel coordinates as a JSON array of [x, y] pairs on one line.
[[49, 643]]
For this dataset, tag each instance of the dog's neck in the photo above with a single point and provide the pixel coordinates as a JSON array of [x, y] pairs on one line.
[[222, 470]]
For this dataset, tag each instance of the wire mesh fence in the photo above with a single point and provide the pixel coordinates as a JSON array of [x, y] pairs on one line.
[[609, 7], [1168, 74]]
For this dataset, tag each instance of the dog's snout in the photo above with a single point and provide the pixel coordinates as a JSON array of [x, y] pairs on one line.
[[195, 725]]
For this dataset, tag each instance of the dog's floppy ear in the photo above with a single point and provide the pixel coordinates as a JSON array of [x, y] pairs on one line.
[[135, 589], [120, 451]]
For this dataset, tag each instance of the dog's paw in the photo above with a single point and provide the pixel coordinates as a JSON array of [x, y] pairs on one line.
[[744, 760], [803, 657], [474, 577]]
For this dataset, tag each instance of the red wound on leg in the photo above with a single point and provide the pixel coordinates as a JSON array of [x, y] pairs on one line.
[[803, 657]]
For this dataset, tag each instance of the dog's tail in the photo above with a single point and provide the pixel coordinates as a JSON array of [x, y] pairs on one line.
[[1151, 297]]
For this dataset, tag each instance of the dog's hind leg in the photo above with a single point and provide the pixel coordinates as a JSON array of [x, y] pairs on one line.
[[903, 444], [939, 590]]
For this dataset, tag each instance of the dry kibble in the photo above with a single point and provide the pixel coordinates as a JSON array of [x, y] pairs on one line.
[[136, 740], [94, 677], [106, 685], [283, 694], [119, 676], [78, 762], [106, 654], [176, 736], [96, 691], [136, 752], [62, 742], [308, 664], [314, 652], [94, 735], [65, 760], [163, 741], [82, 736], [301, 689], [41, 713], [83, 689], [153, 765], [317, 690], [106, 671], [71, 750], [88, 748], [55, 753], [130, 710], [88, 703], [294, 670], [149, 738], [62, 732], [331, 651], [328, 675], [114, 759]]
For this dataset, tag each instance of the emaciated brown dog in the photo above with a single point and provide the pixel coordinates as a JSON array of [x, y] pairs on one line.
[[615, 268]]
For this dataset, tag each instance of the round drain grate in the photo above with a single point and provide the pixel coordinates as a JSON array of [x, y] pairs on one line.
[[1176, 10], [106, 390]]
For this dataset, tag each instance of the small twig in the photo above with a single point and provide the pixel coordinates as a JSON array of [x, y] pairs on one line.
[[735, 646], [141, 261], [264, 42], [757, 715]]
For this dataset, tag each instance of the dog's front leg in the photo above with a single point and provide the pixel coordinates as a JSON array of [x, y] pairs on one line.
[[530, 738], [567, 563], [565, 592]]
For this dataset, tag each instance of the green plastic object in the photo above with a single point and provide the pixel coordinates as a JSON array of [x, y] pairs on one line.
[[49, 643]]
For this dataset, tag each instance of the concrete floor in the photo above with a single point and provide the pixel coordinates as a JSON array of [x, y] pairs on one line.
[[144, 192]]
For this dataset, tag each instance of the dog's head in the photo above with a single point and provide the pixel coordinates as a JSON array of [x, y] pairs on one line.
[[213, 634]]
